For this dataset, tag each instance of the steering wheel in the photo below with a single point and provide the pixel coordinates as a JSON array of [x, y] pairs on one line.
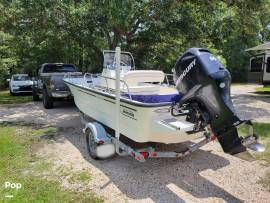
[[121, 63]]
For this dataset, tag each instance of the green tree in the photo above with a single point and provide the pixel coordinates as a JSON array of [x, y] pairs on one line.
[[156, 32]]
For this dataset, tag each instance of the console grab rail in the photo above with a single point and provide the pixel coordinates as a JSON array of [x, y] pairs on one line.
[[106, 79]]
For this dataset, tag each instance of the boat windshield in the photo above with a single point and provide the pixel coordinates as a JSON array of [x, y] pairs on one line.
[[126, 58]]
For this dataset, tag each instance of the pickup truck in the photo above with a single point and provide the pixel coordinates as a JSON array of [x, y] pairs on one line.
[[48, 83]]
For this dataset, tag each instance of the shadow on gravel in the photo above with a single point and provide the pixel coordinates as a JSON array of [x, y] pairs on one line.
[[59, 104], [158, 179]]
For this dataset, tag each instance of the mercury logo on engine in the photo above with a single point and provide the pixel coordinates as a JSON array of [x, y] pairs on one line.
[[185, 72]]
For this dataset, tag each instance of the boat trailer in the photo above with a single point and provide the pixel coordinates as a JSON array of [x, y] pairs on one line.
[[102, 145]]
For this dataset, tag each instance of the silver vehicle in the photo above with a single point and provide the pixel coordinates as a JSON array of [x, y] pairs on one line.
[[20, 83]]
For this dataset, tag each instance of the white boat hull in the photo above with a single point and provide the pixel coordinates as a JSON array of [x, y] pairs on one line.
[[139, 123]]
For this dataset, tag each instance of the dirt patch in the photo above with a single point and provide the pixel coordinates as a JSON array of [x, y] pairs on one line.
[[63, 115], [208, 175]]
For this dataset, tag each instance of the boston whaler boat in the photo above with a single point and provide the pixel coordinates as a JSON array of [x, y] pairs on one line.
[[144, 106]]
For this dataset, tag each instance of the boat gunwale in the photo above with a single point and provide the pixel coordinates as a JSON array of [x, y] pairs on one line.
[[124, 100]]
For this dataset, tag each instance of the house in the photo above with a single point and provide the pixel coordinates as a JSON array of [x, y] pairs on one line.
[[259, 66]]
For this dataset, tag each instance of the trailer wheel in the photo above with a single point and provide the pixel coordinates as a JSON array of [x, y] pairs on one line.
[[98, 142], [91, 145]]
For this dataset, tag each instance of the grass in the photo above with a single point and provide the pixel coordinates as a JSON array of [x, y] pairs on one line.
[[74, 177], [20, 164], [263, 89], [7, 98], [81, 176], [263, 130]]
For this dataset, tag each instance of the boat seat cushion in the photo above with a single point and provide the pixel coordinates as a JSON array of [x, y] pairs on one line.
[[154, 98], [143, 76]]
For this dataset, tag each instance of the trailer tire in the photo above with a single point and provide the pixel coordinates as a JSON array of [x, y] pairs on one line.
[[91, 145]]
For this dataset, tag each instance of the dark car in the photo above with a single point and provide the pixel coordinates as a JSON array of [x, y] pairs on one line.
[[49, 84]]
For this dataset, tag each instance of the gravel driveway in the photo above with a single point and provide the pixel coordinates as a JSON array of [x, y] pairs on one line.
[[250, 105], [208, 175]]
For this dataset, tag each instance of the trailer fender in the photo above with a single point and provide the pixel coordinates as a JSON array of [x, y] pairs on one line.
[[100, 134], [104, 146]]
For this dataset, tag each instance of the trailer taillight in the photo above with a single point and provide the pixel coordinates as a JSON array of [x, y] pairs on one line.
[[145, 154]]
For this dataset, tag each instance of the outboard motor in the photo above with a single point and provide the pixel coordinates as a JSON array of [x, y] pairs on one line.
[[205, 85]]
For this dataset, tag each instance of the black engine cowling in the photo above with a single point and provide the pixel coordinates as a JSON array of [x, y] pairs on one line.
[[202, 79]]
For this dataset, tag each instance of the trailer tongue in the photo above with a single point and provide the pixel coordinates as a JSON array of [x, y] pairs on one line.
[[205, 84]]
